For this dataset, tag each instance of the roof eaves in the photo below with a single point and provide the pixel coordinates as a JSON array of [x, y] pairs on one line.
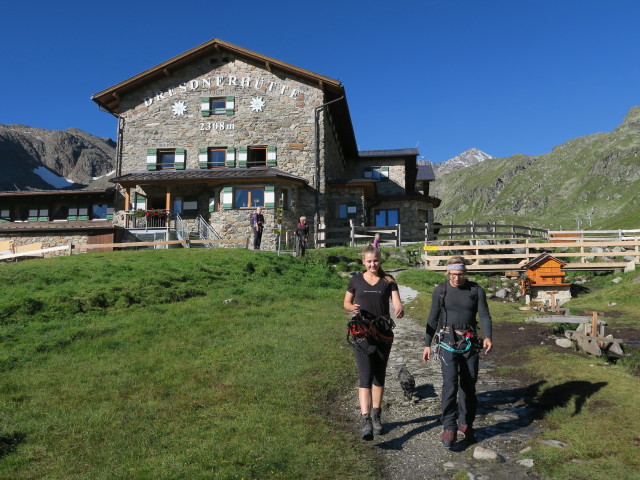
[[202, 50]]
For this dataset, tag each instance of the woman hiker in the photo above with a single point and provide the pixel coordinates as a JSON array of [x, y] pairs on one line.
[[302, 235], [368, 294], [452, 322]]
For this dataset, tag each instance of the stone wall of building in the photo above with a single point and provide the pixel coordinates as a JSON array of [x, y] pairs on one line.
[[48, 240], [395, 185], [286, 120]]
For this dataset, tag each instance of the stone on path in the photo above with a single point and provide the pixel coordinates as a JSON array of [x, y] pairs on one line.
[[486, 454]]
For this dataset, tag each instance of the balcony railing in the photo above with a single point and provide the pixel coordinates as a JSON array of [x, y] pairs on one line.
[[148, 219]]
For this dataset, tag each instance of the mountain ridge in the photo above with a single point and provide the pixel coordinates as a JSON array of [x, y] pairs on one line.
[[70, 154], [595, 177]]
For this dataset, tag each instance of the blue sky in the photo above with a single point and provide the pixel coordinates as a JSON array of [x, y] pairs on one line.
[[504, 76]]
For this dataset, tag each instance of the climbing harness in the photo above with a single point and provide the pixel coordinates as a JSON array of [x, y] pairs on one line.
[[367, 330]]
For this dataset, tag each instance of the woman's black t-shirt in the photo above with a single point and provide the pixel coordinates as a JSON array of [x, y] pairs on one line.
[[373, 299]]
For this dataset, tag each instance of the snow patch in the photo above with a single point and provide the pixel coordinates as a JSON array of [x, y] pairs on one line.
[[105, 175], [51, 178]]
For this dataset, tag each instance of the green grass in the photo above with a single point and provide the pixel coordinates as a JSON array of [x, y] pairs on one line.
[[603, 431], [131, 365]]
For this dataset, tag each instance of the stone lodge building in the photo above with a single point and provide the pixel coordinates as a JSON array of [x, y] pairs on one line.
[[219, 130]]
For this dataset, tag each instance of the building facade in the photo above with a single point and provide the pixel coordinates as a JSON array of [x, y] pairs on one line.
[[215, 132], [220, 130]]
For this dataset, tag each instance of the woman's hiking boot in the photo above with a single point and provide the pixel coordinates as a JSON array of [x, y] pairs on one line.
[[367, 427], [377, 423]]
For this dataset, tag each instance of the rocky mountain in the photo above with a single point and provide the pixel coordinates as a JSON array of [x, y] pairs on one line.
[[36, 159], [592, 180], [465, 159]]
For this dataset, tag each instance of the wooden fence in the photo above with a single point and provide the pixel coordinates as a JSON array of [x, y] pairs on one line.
[[356, 235], [490, 230], [36, 250], [493, 256]]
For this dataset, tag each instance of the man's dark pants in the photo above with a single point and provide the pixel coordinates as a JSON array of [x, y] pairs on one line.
[[459, 376]]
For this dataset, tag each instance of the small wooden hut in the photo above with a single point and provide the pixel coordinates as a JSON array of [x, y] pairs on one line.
[[544, 281]]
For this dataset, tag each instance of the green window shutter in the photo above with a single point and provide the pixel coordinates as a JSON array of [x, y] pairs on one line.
[[384, 174], [368, 173], [110, 211], [43, 214], [230, 105], [180, 157], [272, 156], [203, 157], [242, 157], [227, 198], [152, 159], [33, 214], [270, 196], [83, 212], [231, 157], [205, 107], [212, 204], [73, 212]]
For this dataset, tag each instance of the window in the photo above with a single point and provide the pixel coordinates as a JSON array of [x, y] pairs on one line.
[[60, 212], [213, 157], [386, 218], [248, 197], [377, 173], [78, 212], [217, 106], [166, 159], [5, 214], [177, 205], [257, 157], [38, 214], [190, 207], [347, 210], [99, 211]]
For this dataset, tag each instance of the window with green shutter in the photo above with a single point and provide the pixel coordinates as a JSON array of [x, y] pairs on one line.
[[217, 106], [257, 156], [166, 158], [213, 157]]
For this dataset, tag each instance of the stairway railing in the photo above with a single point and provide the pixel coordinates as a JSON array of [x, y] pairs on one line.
[[205, 231], [182, 230]]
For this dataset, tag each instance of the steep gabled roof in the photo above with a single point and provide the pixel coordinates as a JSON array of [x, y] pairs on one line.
[[541, 260], [109, 99]]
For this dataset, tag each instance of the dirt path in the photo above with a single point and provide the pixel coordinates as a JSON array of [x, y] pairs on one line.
[[410, 448]]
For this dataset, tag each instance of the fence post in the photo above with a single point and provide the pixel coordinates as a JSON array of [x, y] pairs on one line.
[[322, 236], [399, 242], [353, 233]]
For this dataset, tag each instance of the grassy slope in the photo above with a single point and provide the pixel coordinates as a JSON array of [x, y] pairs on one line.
[[130, 365], [601, 433]]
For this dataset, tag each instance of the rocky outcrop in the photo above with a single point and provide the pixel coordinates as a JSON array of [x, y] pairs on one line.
[[69, 154]]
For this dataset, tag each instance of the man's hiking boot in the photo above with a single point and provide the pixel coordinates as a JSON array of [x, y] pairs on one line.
[[448, 438], [377, 423], [467, 433], [367, 427]]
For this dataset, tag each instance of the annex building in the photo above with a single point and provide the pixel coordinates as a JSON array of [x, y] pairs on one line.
[[211, 134]]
